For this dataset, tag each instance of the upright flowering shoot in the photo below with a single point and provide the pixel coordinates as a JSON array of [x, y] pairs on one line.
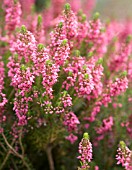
[[71, 23], [59, 47], [85, 151], [61, 73], [69, 20], [124, 156], [24, 45], [12, 15], [3, 99], [39, 30]]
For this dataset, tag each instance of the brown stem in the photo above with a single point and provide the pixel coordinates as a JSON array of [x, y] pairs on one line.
[[16, 153], [10, 96], [3, 146], [25, 164], [5, 160], [50, 158], [7, 155], [20, 141], [1, 153], [14, 164], [10, 147]]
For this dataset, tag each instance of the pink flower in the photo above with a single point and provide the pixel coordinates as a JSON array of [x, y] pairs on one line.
[[96, 168], [71, 121], [59, 47], [72, 138], [26, 5], [24, 45], [86, 126], [113, 89], [39, 32], [66, 99], [106, 125], [50, 77], [70, 22], [13, 13], [21, 108], [3, 100], [119, 86], [79, 71], [124, 156], [97, 37], [23, 80], [119, 60], [85, 151]]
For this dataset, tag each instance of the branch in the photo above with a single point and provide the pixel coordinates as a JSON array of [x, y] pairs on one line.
[[11, 148], [7, 155], [16, 153], [50, 158], [5, 160], [20, 142]]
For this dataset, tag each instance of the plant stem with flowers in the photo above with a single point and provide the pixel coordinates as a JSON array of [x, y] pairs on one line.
[[54, 86], [85, 151]]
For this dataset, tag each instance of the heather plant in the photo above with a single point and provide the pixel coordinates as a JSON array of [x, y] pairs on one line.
[[62, 75], [85, 149], [124, 156]]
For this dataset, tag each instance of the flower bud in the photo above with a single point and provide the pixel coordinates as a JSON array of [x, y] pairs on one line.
[[124, 74], [64, 42], [23, 67], [86, 76], [96, 16], [40, 47], [86, 136], [23, 29], [100, 61], [60, 25], [67, 7], [39, 20], [128, 39]]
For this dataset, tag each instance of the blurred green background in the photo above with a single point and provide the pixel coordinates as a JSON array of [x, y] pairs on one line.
[[119, 9]]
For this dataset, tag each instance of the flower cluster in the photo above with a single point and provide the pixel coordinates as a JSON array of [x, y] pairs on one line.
[[113, 89], [3, 99], [104, 129], [85, 151], [72, 138], [13, 13], [66, 99], [124, 156], [71, 121], [61, 74], [24, 45], [106, 126], [59, 47]]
